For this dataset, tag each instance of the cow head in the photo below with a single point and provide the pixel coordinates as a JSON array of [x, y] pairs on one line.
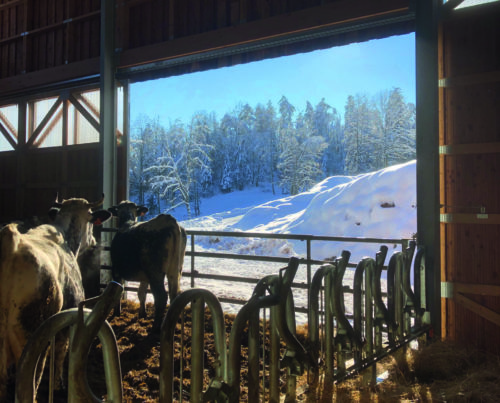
[[127, 212], [75, 218]]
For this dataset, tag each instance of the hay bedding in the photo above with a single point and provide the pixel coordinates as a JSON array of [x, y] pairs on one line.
[[439, 372]]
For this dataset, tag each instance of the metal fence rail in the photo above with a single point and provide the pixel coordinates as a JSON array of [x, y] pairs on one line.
[[306, 260]]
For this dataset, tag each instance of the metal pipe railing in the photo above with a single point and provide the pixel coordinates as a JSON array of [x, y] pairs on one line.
[[84, 325], [307, 261], [198, 298], [360, 338]]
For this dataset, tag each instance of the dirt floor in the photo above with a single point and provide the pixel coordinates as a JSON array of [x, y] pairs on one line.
[[439, 372]]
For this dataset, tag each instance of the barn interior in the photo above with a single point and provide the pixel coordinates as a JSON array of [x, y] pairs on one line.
[[83, 56]]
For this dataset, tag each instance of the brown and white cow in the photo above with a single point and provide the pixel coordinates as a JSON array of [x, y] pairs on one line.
[[146, 252], [39, 276], [89, 256]]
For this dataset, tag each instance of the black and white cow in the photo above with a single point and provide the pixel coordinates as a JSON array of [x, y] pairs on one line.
[[39, 276], [146, 252]]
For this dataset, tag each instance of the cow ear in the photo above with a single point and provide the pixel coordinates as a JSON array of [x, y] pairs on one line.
[[141, 210], [113, 210], [99, 217], [53, 213]]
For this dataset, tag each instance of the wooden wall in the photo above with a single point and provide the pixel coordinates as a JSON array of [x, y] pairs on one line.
[[31, 179], [470, 172]]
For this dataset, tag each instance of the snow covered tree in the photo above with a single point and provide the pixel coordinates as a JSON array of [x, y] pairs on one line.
[[175, 173], [395, 124], [359, 135], [327, 124], [299, 164], [144, 147]]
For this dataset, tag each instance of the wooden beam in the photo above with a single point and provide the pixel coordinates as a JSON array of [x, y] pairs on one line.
[[94, 123], [477, 289], [38, 80], [10, 4], [3, 130], [478, 309], [300, 22], [44, 122]]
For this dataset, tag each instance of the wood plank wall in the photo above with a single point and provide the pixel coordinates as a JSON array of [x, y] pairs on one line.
[[30, 178], [470, 171], [40, 34]]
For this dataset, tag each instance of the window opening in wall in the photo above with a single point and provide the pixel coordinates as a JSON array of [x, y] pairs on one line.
[[70, 118], [47, 128], [319, 143], [8, 127], [472, 3]]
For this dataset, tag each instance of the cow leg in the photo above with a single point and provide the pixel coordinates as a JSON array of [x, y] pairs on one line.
[[157, 284], [61, 349], [117, 311], [174, 280], [141, 294]]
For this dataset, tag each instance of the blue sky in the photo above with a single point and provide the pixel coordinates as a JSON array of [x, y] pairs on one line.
[[360, 68]]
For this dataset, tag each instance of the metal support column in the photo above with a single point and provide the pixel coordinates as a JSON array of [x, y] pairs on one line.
[[108, 104], [426, 46]]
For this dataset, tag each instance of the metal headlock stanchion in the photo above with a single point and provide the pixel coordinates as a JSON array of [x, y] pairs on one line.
[[84, 325]]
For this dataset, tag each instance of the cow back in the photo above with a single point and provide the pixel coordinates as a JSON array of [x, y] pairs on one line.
[[144, 246]]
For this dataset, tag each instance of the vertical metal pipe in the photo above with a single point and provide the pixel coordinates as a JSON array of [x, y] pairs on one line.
[[329, 334], [107, 106], [291, 382], [371, 373], [253, 357], [274, 358], [192, 261], [309, 275], [197, 351]]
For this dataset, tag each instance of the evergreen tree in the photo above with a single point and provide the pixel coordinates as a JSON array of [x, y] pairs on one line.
[[360, 135], [144, 148], [395, 123]]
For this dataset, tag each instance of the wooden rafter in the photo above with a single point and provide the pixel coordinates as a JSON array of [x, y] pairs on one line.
[[3, 124], [44, 122], [460, 289], [45, 133], [80, 103]]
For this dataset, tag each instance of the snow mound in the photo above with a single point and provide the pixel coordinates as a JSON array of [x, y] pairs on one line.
[[379, 204]]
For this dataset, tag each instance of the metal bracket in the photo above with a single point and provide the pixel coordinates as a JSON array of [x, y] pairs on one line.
[[447, 289]]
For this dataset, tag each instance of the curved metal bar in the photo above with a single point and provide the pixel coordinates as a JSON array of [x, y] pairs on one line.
[[418, 270], [313, 316], [395, 264], [412, 302], [359, 274], [83, 334], [278, 287], [381, 313], [294, 348], [395, 296], [344, 326], [167, 338], [25, 389]]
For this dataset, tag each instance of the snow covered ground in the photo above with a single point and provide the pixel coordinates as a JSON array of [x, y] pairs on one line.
[[380, 204]]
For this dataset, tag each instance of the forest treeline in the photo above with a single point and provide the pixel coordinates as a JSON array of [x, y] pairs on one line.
[[289, 149]]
